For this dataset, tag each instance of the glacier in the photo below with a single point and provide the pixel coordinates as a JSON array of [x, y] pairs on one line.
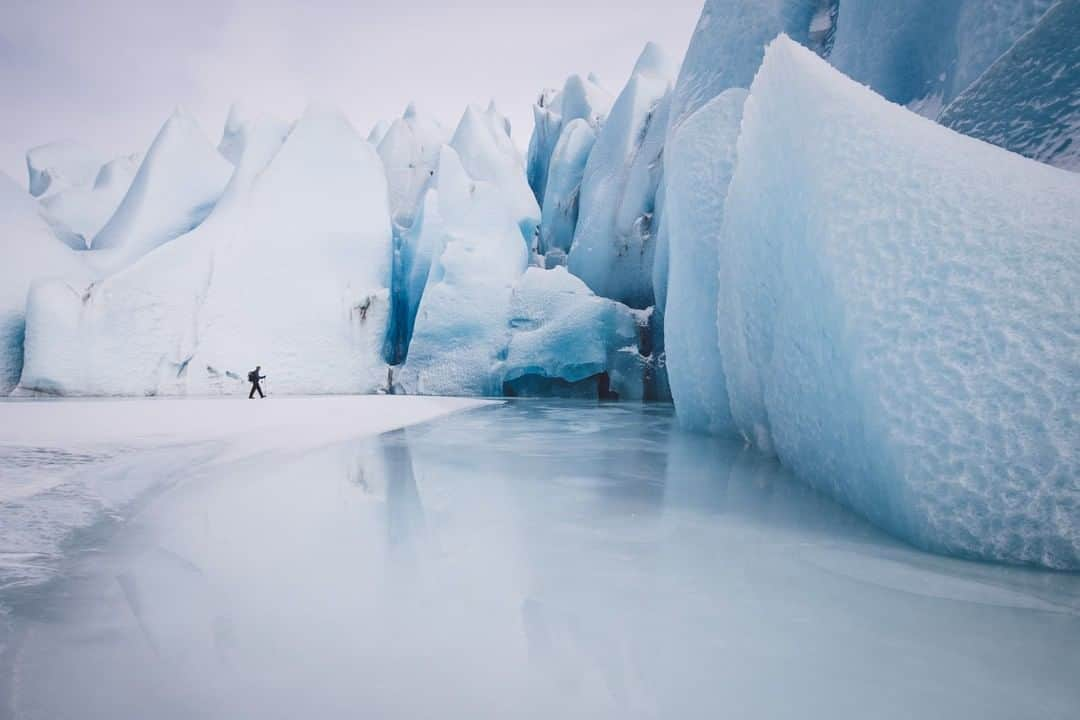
[[614, 245], [582, 99], [1028, 101], [901, 333], [196, 313]]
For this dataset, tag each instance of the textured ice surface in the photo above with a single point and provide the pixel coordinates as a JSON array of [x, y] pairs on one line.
[[180, 179], [29, 250], [482, 141], [899, 317], [614, 241], [80, 211], [699, 161], [563, 187], [580, 99], [1028, 101], [469, 237], [60, 165], [923, 53], [291, 271], [559, 329]]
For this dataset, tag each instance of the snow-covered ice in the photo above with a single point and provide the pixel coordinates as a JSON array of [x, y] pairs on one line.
[[291, 270], [29, 250], [60, 165], [531, 559], [176, 187], [78, 213], [902, 332]]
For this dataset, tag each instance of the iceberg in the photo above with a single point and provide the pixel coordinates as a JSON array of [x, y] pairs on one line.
[[60, 165], [291, 270], [483, 145], [580, 99], [79, 212], [699, 162], [1028, 101], [409, 148], [614, 240], [30, 251], [559, 212], [567, 341], [468, 238], [899, 320], [176, 187]]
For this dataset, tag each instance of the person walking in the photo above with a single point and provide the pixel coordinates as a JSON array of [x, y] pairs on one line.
[[254, 377]]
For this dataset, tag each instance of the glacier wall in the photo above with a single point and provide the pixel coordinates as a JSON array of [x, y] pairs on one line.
[[902, 333], [291, 270]]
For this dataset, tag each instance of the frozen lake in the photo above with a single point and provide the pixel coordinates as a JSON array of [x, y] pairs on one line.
[[536, 559]]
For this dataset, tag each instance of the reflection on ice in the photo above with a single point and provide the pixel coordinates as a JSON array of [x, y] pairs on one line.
[[536, 559]]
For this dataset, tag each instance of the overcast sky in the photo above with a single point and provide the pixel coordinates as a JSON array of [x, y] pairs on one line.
[[109, 72]]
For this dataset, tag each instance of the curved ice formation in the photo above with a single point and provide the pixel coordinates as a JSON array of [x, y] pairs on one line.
[[559, 211], [30, 251], [614, 240], [580, 99], [59, 165], [1028, 101], [180, 179], [482, 142], [561, 331], [700, 160], [291, 271], [82, 210], [899, 317], [470, 240]]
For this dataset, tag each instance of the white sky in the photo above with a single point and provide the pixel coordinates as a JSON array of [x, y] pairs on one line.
[[109, 72]]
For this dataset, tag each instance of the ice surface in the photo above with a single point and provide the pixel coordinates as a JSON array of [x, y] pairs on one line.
[[291, 271], [180, 179], [470, 238], [580, 99], [483, 144], [563, 186], [614, 241], [561, 330], [699, 162], [527, 560], [30, 251], [60, 165], [1028, 101], [80, 211], [898, 316], [69, 464], [924, 53]]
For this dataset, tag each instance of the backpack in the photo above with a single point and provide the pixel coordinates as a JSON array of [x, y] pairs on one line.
[[252, 377]]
